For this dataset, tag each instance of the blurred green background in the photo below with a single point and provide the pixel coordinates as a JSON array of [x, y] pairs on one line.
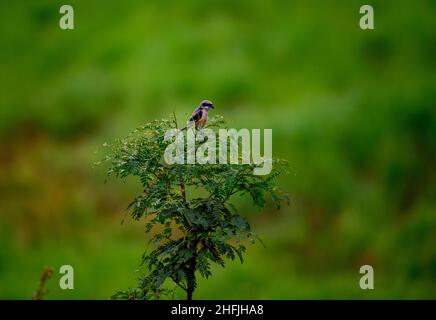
[[353, 112]]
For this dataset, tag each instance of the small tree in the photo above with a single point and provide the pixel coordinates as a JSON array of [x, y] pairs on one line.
[[188, 233]]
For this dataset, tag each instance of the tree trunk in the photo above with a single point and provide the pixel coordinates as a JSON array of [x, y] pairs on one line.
[[191, 280], [192, 268], [189, 293]]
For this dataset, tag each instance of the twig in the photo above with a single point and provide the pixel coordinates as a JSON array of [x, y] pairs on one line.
[[47, 272]]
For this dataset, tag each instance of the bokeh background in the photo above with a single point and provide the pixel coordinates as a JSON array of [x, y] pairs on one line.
[[352, 111]]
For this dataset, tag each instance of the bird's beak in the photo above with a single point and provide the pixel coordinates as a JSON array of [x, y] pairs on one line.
[[212, 107]]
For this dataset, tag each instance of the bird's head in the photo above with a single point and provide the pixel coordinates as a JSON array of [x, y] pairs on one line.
[[206, 104]]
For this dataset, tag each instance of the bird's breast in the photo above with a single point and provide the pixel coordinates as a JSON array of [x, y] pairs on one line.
[[204, 114]]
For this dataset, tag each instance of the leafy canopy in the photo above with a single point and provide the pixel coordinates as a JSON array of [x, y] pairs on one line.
[[188, 233]]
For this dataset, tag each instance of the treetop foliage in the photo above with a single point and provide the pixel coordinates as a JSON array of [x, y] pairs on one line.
[[188, 233]]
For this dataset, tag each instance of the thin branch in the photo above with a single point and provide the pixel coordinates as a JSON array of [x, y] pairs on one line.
[[183, 190], [47, 272], [175, 120], [182, 185], [172, 278]]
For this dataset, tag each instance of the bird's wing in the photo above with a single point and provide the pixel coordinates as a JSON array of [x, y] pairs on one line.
[[196, 115]]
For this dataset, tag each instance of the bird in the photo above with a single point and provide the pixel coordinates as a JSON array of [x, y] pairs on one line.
[[199, 116]]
